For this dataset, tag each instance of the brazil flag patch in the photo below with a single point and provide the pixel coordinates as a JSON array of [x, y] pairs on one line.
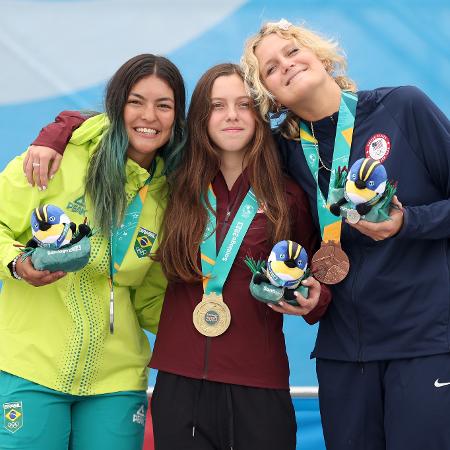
[[13, 416], [144, 242]]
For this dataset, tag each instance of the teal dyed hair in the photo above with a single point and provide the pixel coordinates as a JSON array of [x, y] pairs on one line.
[[106, 177]]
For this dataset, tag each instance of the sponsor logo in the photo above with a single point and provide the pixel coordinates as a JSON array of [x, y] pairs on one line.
[[378, 147], [438, 384], [75, 248], [247, 211], [139, 416], [144, 242], [13, 416], [78, 206]]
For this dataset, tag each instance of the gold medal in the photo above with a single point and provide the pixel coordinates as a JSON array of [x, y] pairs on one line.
[[211, 316]]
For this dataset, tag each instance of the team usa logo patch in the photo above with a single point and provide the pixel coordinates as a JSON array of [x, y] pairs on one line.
[[144, 242], [378, 147], [13, 416]]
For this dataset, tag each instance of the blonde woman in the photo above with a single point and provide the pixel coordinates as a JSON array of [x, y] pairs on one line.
[[382, 349]]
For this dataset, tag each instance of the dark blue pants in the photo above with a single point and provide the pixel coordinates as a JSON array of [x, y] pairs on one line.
[[386, 405]]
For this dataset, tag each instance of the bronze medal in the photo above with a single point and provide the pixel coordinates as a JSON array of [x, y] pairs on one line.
[[330, 264], [211, 316]]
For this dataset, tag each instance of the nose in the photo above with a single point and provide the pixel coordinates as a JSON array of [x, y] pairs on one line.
[[286, 65], [232, 113], [148, 113]]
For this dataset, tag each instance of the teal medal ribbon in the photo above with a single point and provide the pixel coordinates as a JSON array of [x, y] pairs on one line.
[[121, 237], [217, 268], [329, 228], [211, 316]]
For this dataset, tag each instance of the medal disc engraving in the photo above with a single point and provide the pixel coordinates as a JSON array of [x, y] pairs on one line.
[[211, 316], [353, 216], [330, 263]]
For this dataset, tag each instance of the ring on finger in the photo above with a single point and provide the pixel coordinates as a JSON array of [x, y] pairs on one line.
[[36, 164]]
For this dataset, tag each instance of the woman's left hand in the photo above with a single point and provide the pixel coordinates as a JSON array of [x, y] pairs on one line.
[[386, 229], [305, 305]]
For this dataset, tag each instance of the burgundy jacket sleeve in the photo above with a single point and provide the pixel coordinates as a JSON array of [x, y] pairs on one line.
[[305, 233], [57, 134]]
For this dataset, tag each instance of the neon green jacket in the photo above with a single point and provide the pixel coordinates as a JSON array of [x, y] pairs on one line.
[[58, 335]]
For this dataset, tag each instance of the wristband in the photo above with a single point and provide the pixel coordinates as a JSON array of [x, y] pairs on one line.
[[13, 268]]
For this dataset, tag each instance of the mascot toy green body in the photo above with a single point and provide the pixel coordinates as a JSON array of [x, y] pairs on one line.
[[56, 244], [364, 193], [279, 277]]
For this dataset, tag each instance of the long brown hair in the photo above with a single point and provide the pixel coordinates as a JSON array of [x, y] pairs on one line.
[[186, 215]]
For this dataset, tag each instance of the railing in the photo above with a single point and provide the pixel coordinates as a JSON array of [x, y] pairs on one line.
[[296, 391]]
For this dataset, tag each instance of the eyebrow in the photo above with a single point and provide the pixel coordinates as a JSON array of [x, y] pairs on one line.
[[239, 98], [161, 99]]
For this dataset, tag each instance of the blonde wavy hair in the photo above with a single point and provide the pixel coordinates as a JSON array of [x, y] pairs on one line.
[[327, 50]]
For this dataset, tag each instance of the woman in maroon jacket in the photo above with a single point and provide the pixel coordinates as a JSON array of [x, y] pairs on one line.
[[229, 391]]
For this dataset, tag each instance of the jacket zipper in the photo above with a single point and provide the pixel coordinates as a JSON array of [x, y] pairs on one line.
[[208, 339], [354, 301]]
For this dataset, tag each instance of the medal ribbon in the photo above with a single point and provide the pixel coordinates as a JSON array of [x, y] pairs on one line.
[[217, 267], [330, 225], [121, 238]]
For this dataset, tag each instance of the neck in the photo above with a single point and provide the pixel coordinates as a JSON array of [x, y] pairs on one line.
[[145, 161], [320, 102], [231, 165]]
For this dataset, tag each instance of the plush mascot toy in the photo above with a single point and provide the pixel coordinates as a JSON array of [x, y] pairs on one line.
[[365, 188], [281, 275], [56, 244]]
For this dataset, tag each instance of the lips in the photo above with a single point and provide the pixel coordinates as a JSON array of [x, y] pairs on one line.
[[232, 129], [150, 132], [288, 82]]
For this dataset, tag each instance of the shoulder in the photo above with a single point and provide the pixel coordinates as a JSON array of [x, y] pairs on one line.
[[400, 97], [295, 195]]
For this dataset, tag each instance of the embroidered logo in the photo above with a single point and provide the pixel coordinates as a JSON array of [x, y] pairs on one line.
[[13, 416], [247, 211], [144, 242], [139, 416], [438, 384], [78, 206], [378, 147]]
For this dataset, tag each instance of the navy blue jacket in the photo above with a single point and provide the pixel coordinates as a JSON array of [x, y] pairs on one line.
[[395, 302]]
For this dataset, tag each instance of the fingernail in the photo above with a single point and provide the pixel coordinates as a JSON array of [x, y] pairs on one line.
[[281, 303], [44, 188], [51, 177], [269, 305]]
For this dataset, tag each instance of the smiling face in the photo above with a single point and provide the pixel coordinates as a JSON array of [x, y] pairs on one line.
[[289, 72], [232, 122], [148, 115]]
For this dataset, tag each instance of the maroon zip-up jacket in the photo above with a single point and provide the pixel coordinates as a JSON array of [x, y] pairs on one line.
[[252, 351]]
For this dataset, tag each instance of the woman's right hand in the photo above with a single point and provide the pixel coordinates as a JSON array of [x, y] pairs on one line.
[[28, 273], [40, 164]]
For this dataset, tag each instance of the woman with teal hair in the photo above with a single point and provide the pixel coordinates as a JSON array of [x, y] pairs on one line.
[[73, 355]]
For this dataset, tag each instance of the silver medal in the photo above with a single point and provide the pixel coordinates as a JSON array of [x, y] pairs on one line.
[[353, 216]]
